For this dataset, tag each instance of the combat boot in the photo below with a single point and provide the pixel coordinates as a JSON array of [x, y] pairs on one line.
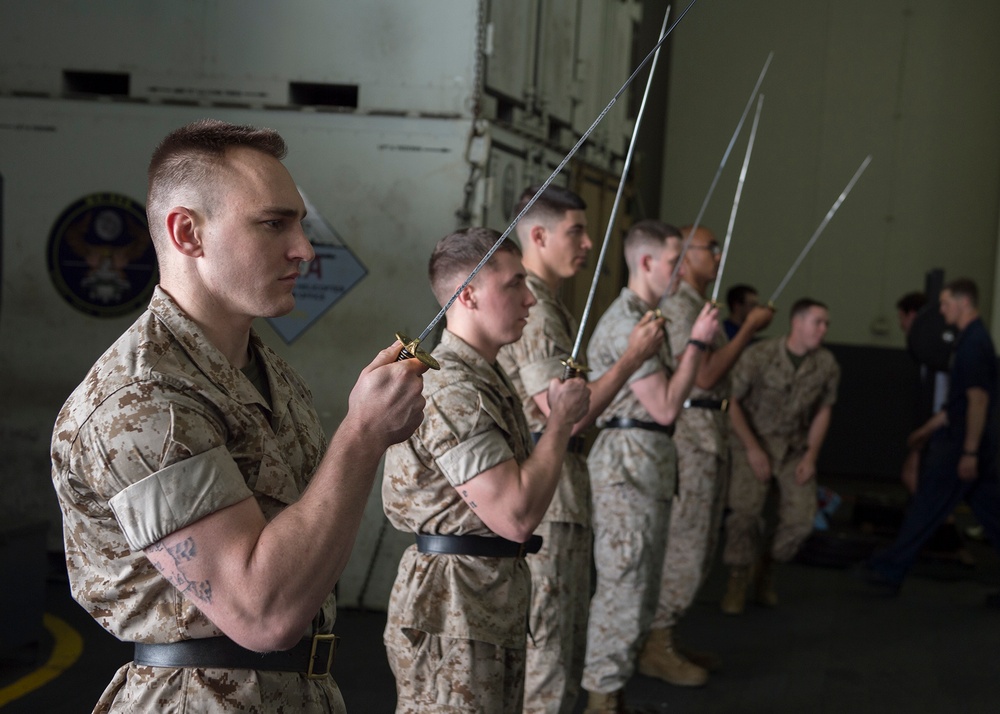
[[612, 703], [764, 583], [735, 598], [660, 659]]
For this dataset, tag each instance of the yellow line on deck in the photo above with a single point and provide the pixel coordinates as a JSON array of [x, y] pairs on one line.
[[66, 651]]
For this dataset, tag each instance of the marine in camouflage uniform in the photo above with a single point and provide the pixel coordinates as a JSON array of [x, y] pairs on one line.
[[472, 488], [633, 464], [162, 432], [553, 235], [702, 465], [560, 571], [786, 408], [633, 477], [472, 422], [182, 461]]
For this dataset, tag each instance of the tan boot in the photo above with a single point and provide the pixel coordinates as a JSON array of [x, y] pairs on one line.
[[703, 658], [613, 703], [660, 659], [735, 598], [764, 583]]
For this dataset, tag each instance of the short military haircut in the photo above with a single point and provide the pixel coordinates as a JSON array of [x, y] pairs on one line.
[[551, 206], [964, 287], [802, 305], [737, 295], [457, 254], [644, 236], [186, 159], [911, 302]]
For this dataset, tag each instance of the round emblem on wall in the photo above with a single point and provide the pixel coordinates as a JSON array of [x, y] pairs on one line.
[[101, 258]]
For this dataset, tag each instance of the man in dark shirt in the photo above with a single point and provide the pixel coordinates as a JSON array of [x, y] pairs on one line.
[[960, 460]]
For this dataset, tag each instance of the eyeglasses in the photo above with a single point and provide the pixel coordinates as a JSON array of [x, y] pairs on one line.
[[714, 247]]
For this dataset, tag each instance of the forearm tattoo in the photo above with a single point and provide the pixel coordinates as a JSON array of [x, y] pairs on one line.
[[183, 552], [465, 495]]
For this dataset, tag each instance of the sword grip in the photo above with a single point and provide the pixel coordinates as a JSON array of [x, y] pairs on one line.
[[573, 369], [411, 350], [405, 354]]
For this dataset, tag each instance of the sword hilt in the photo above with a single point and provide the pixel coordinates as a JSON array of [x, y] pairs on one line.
[[770, 306], [411, 350], [572, 368]]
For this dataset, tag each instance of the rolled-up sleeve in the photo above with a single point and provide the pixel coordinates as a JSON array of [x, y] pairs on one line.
[[177, 496]]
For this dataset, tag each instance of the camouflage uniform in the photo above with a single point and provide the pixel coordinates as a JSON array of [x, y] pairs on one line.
[[162, 432], [560, 572], [779, 403], [633, 477], [702, 470], [455, 630]]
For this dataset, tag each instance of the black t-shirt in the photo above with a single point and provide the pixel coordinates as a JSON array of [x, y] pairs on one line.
[[973, 364]]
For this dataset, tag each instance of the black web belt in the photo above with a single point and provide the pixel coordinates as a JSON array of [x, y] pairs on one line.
[[577, 444], [312, 656], [483, 546], [625, 423], [720, 405]]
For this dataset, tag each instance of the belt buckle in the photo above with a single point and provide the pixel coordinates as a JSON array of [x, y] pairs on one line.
[[316, 639], [686, 404]]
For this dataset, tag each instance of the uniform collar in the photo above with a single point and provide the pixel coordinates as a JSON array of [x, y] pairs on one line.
[[209, 360]]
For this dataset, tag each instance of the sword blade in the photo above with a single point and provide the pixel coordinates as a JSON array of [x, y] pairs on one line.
[[618, 196], [718, 172], [545, 184], [736, 201], [819, 229]]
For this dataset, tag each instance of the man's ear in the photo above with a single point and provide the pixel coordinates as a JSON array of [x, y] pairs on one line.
[[537, 235], [467, 297], [184, 232]]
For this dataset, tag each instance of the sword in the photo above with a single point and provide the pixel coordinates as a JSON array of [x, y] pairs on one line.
[[816, 234], [715, 179], [572, 367], [736, 202], [411, 348]]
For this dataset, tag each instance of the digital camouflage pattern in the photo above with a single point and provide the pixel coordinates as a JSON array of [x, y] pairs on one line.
[[473, 421], [706, 428], [779, 403], [531, 363], [162, 432], [702, 473], [560, 572], [633, 477]]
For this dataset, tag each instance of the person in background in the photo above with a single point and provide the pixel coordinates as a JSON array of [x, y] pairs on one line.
[[961, 440], [741, 300], [783, 394]]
